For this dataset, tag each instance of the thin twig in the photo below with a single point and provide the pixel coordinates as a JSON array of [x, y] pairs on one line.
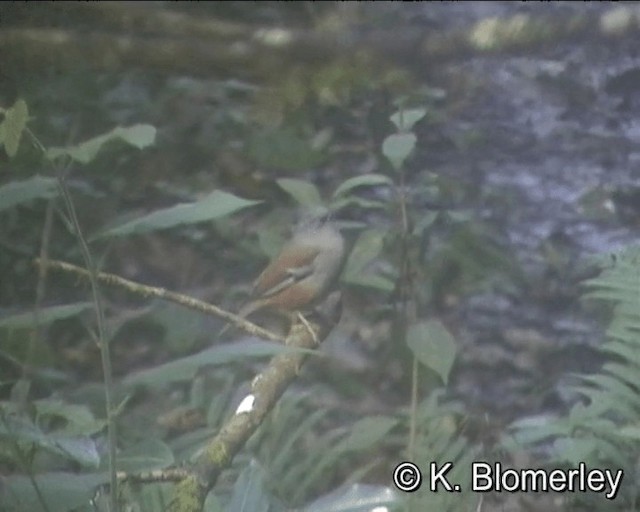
[[19, 454], [102, 333], [162, 293], [41, 286], [105, 354]]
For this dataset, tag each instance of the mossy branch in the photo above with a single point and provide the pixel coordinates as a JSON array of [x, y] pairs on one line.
[[195, 481]]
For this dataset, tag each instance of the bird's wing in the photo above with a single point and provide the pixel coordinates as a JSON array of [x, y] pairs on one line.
[[293, 264]]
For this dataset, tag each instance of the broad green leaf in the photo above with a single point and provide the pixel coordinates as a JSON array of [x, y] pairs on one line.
[[139, 136], [366, 249], [284, 149], [433, 345], [214, 206], [425, 222], [630, 432], [360, 202], [303, 192], [288, 449], [368, 432], [366, 180], [405, 119], [575, 450], [461, 216], [79, 418], [15, 120], [183, 327], [60, 491], [147, 455], [249, 494], [21, 429], [80, 449], [17, 192], [271, 239], [398, 147], [356, 498], [45, 315], [212, 504], [535, 429], [370, 279], [185, 368]]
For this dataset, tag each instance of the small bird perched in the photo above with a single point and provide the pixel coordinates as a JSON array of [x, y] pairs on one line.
[[303, 272]]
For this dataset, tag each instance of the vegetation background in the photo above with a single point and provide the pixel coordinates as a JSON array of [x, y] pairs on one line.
[[484, 160]]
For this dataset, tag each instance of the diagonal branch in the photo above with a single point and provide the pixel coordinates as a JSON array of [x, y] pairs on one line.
[[162, 293], [266, 388]]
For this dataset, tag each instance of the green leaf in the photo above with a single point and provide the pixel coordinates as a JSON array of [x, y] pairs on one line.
[[460, 216], [139, 136], [287, 449], [284, 149], [212, 504], [60, 491], [45, 315], [535, 429], [365, 204], [17, 192], [185, 368], [366, 249], [398, 147], [369, 279], [183, 326], [80, 449], [356, 498], [249, 494], [366, 180], [15, 121], [425, 222], [79, 418], [575, 450], [271, 239], [147, 455], [368, 432], [433, 345], [303, 192], [630, 432], [214, 206], [21, 430], [405, 119], [358, 269]]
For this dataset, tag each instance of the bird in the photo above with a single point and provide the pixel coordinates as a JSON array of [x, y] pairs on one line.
[[301, 275]]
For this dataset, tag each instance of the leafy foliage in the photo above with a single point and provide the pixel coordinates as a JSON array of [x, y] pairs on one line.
[[439, 441], [18, 192], [601, 428], [70, 435], [139, 136], [185, 368], [433, 345], [61, 491], [214, 206], [12, 126]]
